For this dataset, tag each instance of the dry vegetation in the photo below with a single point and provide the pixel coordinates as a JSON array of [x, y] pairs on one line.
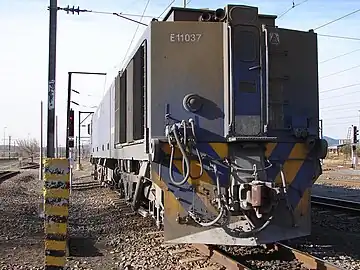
[[339, 159], [28, 148]]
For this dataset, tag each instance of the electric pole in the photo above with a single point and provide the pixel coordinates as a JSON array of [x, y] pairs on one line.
[[79, 137], [51, 79], [321, 129], [41, 142], [353, 147], [69, 101], [4, 144], [56, 137], [9, 146], [67, 115], [79, 155]]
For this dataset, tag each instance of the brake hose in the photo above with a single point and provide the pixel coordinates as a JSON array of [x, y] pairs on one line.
[[210, 223], [290, 208], [196, 149], [186, 177], [221, 206], [183, 124], [191, 121]]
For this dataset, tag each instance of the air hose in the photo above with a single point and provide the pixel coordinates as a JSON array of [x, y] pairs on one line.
[[220, 202], [185, 158], [192, 144], [173, 130]]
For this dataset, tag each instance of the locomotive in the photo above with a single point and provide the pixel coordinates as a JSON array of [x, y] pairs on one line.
[[212, 127]]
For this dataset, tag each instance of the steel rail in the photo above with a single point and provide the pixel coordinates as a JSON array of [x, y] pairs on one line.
[[30, 166], [220, 257], [4, 175], [309, 261], [349, 206]]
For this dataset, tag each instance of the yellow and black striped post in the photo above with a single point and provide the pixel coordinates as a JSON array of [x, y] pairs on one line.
[[56, 211]]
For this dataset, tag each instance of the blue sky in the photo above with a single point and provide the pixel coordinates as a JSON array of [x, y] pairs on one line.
[[98, 43]]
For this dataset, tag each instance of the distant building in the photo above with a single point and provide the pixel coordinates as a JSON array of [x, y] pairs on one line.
[[333, 149], [336, 147], [344, 141]]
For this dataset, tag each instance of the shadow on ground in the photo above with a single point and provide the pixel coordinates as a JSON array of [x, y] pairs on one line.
[[83, 247]]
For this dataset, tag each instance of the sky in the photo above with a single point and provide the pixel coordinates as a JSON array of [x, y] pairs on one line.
[[98, 43]]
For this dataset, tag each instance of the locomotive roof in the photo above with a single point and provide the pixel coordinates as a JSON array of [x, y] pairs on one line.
[[181, 9]]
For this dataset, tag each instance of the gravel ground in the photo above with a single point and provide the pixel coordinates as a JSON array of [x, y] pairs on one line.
[[113, 237], [21, 233], [337, 182], [9, 165], [335, 235], [104, 233], [335, 238], [259, 258]]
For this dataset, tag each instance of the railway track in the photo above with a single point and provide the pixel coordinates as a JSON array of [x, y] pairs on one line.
[[218, 257], [308, 261], [226, 261], [85, 185], [336, 204], [30, 166], [199, 253], [4, 175]]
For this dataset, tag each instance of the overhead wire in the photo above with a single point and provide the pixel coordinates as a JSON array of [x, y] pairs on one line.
[[90, 107], [158, 17], [338, 56], [133, 38], [342, 117], [330, 59], [292, 7], [340, 123], [338, 88], [338, 72], [338, 105], [342, 55], [337, 19], [77, 10], [339, 37], [123, 14], [172, 2], [343, 109], [344, 94], [281, 15]]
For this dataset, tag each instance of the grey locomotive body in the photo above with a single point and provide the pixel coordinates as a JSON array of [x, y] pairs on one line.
[[212, 127]]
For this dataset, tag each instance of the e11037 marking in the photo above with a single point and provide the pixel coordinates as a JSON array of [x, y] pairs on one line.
[[185, 38]]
